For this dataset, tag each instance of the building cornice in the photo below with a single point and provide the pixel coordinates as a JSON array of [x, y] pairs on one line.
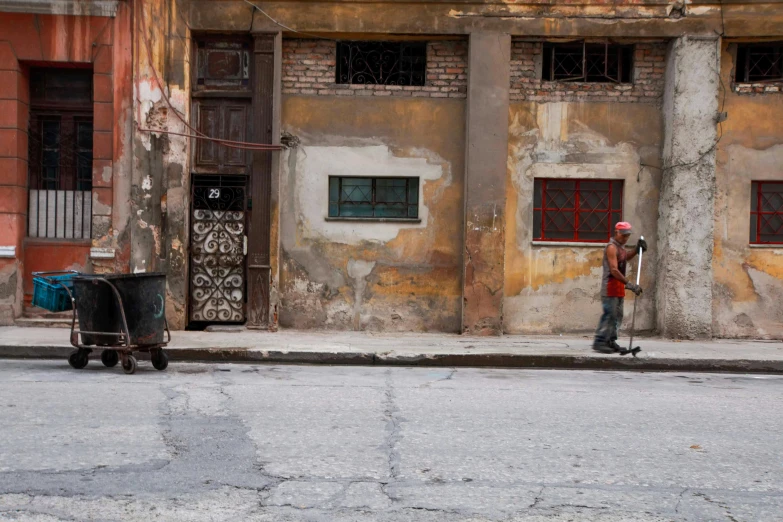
[[61, 7]]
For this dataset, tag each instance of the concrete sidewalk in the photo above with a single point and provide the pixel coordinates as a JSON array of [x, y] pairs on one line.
[[513, 351]]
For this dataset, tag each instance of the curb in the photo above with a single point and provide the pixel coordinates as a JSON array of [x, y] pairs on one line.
[[470, 360]]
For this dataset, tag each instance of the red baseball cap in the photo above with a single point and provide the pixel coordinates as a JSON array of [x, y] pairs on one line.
[[623, 227]]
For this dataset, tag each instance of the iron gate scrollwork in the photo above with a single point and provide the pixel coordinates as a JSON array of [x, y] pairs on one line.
[[218, 245]]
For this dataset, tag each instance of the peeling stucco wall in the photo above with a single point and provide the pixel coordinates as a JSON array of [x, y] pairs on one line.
[[368, 275], [552, 288], [10, 289], [159, 192], [748, 282]]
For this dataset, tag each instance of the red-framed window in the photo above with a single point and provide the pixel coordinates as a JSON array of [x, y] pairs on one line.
[[576, 209], [766, 212]]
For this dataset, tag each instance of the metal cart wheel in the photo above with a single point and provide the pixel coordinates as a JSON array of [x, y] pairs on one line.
[[129, 364], [110, 358], [160, 359], [79, 359]]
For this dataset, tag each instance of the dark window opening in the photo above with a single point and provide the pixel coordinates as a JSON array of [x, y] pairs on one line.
[[762, 62], [382, 63], [766, 212], [587, 62], [60, 87], [374, 197], [50, 154], [60, 139], [576, 210], [83, 155], [222, 64]]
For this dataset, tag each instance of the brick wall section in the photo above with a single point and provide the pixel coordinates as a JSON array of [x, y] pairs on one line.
[[758, 88], [309, 68], [526, 84]]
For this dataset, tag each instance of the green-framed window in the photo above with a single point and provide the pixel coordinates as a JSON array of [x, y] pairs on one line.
[[373, 198]]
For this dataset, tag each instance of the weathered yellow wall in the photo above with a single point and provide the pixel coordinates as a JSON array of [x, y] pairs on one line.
[[557, 288], [748, 282], [372, 276], [622, 18]]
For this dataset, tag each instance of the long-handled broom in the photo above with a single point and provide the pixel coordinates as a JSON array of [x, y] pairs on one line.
[[631, 349]]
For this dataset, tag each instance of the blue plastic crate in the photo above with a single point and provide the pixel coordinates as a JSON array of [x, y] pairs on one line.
[[50, 295]]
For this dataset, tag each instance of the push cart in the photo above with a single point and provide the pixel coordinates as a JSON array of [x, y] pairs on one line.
[[117, 313]]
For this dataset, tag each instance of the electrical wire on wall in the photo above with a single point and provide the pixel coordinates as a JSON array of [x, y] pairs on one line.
[[704, 154], [195, 133], [720, 112], [283, 26]]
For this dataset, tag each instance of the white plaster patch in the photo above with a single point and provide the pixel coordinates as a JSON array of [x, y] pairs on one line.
[[146, 184], [358, 270], [316, 164], [98, 208], [149, 92], [101, 253]]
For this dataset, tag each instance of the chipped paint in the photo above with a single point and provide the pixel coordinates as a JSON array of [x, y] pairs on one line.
[[370, 275], [747, 282], [557, 288]]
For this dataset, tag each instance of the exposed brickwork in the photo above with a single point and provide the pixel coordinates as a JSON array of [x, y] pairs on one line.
[[758, 88], [526, 83], [309, 68]]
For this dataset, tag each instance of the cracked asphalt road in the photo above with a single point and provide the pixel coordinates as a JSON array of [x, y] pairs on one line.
[[288, 443]]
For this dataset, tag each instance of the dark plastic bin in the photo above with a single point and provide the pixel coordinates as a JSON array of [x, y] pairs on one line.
[[143, 299]]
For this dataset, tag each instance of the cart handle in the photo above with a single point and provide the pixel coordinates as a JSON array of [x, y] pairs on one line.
[[125, 333], [43, 275]]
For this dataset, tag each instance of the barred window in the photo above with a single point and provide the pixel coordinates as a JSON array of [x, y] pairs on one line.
[[381, 63], [576, 209], [60, 141], [374, 198], [587, 62], [759, 62], [766, 212]]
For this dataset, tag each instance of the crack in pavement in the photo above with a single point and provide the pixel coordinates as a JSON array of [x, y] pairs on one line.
[[719, 504], [393, 436], [539, 498], [449, 377], [679, 500]]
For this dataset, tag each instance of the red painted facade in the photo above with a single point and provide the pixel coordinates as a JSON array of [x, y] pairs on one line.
[[30, 40]]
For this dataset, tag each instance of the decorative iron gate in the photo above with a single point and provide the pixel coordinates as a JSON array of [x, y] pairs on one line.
[[218, 246]]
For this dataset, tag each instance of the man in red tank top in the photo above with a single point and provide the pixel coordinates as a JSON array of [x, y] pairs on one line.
[[613, 286]]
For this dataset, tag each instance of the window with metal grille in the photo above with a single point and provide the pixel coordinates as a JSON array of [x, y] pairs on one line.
[[759, 62], [576, 209], [382, 63], [374, 198], [766, 212], [587, 62], [60, 140]]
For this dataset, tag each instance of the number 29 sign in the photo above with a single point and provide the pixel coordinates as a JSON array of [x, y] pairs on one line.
[[213, 193]]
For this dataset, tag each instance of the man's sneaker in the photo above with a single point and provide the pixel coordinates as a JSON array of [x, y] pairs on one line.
[[603, 348], [614, 346]]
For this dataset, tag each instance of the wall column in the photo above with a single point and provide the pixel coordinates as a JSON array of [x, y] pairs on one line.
[[485, 183], [686, 208], [14, 116]]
